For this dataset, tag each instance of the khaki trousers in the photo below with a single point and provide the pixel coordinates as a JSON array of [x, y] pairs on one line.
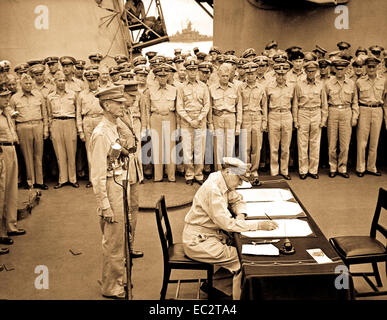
[[369, 125], [194, 144], [89, 124], [113, 240], [339, 128], [251, 140], [31, 144], [64, 139], [137, 132], [133, 211], [210, 246], [280, 126], [224, 138], [8, 190], [308, 139], [163, 127]]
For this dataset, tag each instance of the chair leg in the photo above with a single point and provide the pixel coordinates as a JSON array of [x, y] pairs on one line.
[[210, 275], [376, 273], [163, 292]]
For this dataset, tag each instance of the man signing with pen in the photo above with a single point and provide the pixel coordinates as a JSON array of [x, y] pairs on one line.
[[203, 237]]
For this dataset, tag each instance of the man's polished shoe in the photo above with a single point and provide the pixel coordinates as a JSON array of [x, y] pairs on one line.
[[313, 175], [344, 175], [190, 182], [302, 176], [256, 182], [118, 297], [59, 185], [360, 174], [41, 186], [18, 232], [136, 254], [89, 185], [377, 173], [332, 174], [4, 251], [286, 176], [75, 184], [6, 240], [199, 182]]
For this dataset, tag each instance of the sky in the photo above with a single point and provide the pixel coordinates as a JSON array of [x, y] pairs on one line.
[[177, 12]]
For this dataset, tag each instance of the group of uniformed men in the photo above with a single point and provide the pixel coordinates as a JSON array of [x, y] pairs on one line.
[[211, 105]]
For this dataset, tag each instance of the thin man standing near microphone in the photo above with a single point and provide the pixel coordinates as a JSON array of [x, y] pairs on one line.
[[105, 170]]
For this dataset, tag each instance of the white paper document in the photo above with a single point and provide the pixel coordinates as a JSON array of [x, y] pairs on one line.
[[245, 185], [319, 255], [273, 208], [286, 228], [260, 249], [268, 194]]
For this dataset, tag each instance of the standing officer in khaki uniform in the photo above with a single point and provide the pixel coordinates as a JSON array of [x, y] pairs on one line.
[[343, 112], [280, 96], [72, 83], [37, 73], [310, 112], [193, 104], [89, 112], [62, 112], [254, 119], [160, 105], [53, 67], [225, 116], [9, 172], [32, 128], [105, 169], [371, 92]]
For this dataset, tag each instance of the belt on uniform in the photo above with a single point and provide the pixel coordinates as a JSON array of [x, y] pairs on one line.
[[279, 109], [29, 122], [6, 144], [253, 111], [309, 109], [339, 106], [370, 105], [162, 113], [221, 112], [63, 118], [94, 115]]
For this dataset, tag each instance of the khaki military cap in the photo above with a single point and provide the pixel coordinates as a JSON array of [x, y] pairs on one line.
[[120, 58], [205, 66], [237, 167], [250, 52], [139, 60], [91, 75], [343, 45], [37, 69], [115, 93], [65, 60], [141, 69]]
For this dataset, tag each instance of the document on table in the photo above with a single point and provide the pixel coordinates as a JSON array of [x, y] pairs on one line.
[[260, 249], [319, 255], [268, 194], [286, 228], [274, 208]]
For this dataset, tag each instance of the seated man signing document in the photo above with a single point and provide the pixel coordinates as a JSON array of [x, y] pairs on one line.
[[209, 214]]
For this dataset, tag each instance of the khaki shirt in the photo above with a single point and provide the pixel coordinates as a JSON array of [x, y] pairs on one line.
[[30, 106], [87, 105], [371, 92], [226, 99], [104, 136], [61, 105], [45, 89], [293, 77], [75, 85], [210, 207], [279, 97], [193, 101], [254, 99], [160, 100], [310, 95], [7, 129], [342, 93]]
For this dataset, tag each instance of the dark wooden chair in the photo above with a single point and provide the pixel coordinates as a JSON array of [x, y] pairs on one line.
[[173, 255], [366, 249]]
